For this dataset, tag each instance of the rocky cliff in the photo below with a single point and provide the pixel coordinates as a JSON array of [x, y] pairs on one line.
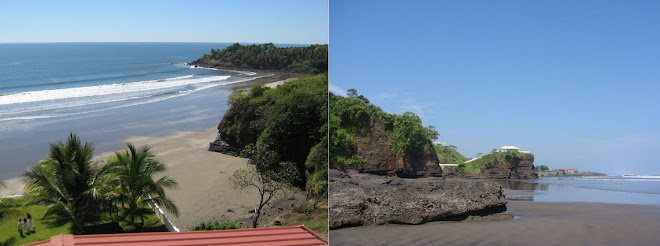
[[358, 199], [378, 158]]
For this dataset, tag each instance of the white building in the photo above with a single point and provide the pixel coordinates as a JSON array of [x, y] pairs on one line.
[[505, 148], [509, 147]]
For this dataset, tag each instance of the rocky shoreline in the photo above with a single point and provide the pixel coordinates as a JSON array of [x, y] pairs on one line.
[[361, 199]]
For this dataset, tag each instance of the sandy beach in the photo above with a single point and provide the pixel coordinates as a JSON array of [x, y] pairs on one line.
[[204, 192], [538, 223]]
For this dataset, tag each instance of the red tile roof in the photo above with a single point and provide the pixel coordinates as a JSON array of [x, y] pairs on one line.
[[287, 235]]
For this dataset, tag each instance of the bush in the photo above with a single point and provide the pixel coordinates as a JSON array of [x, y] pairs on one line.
[[207, 226]]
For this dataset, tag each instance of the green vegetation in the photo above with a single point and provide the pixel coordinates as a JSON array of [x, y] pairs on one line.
[[66, 183], [208, 226], [46, 227], [543, 168], [449, 154], [289, 123], [132, 180], [76, 190], [502, 159], [352, 116], [312, 59]]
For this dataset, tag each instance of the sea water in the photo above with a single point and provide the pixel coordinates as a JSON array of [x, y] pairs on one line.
[[103, 92], [622, 189]]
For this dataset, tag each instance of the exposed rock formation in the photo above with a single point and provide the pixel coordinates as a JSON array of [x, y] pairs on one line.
[[380, 159], [221, 146], [362, 199]]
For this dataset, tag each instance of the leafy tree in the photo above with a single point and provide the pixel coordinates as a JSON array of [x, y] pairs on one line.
[[543, 168], [267, 181], [65, 182], [408, 134], [135, 170]]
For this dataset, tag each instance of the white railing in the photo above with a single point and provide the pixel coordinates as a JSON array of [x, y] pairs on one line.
[[163, 217]]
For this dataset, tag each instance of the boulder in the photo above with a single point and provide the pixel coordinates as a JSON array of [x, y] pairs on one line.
[[221, 146], [358, 199]]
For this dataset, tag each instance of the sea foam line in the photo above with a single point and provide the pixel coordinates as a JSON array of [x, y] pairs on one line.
[[179, 94], [99, 90]]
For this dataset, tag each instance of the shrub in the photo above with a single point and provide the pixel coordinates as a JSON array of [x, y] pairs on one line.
[[207, 226]]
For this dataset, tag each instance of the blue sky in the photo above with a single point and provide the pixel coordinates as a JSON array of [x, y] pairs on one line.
[[282, 21], [575, 82]]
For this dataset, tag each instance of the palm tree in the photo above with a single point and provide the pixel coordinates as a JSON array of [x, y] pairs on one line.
[[135, 169], [65, 182]]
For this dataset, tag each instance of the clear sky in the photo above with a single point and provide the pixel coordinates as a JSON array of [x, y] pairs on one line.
[[251, 21], [575, 82]]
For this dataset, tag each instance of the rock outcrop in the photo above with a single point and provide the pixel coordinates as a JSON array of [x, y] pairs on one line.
[[519, 166], [358, 199], [380, 159], [221, 146]]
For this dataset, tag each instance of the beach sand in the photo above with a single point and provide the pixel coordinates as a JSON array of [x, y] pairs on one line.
[[204, 192], [538, 224]]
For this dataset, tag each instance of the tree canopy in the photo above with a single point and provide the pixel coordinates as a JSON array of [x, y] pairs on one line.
[[290, 122], [311, 59], [351, 116]]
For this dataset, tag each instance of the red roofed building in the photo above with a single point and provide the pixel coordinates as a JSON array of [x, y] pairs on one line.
[[287, 235], [568, 170]]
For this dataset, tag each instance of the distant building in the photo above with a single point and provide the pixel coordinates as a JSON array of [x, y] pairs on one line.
[[505, 148], [510, 147], [568, 170]]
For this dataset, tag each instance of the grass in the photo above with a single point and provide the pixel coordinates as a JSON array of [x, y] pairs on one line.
[[46, 228]]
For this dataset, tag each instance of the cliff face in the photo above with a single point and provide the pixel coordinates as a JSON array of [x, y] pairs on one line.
[[362, 199], [380, 159]]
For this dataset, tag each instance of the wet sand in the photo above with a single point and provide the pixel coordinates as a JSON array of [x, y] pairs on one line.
[[540, 223]]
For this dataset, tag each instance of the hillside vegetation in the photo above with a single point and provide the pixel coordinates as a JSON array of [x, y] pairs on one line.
[[503, 160], [354, 117], [449, 154], [289, 123], [307, 60]]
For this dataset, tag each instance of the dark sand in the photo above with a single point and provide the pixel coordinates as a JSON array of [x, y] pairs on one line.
[[539, 224]]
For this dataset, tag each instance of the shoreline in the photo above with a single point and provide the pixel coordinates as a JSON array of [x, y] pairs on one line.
[[204, 193]]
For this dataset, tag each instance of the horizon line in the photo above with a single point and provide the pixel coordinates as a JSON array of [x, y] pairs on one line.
[[200, 42]]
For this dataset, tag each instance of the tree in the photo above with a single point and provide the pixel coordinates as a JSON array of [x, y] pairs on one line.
[[264, 176], [65, 182], [479, 154], [135, 170], [543, 168]]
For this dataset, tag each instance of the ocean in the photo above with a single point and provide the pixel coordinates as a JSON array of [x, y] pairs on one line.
[[103, 92], [633, 189]]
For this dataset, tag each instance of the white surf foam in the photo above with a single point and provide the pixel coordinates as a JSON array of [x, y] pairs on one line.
[[101, 90]]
